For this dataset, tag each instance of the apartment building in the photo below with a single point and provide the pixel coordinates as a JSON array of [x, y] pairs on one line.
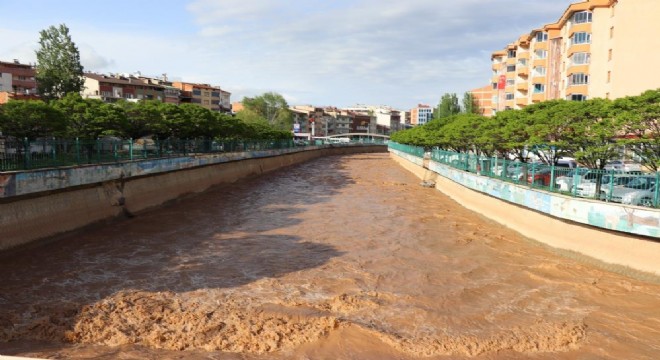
[[17, 81], [482, 98], [210, 97], [171, 94], [596, 49], [421, 114], [113, 87]]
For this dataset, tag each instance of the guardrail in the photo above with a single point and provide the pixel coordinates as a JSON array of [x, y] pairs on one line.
[[23, 154], [631, 188]]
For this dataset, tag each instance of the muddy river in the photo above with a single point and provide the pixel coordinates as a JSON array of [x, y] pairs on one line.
[[340, 258]]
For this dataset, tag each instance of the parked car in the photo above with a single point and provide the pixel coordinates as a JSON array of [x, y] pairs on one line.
[[623, 165], [639, 191], [539, 176], [583, 175], [566, 162], [588, 189]]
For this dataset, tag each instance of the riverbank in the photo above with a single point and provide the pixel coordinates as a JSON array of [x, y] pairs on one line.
[[45, 203], [617, 251]]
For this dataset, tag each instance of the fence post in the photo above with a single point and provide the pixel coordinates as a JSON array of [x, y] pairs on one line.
[[98, 150], [130, 149], [27, 155], [552, 176], [77, 151], [576, 175], [608, 197], [531, 183], [657, 187], [52, 150]]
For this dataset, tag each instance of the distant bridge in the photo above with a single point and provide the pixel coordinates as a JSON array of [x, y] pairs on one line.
[[367, 135]]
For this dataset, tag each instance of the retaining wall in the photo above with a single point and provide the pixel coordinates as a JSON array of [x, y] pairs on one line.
[[60, 200], [536, 222]]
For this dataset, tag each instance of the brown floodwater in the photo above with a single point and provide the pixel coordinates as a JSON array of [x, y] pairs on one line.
[[340, 258]]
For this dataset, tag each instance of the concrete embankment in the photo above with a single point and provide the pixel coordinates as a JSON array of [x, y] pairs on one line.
[[43, 214], [615, 250]]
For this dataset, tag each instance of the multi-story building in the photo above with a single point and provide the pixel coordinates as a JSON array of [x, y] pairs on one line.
[[421, 114], [171, 94], [482, 98], [596, 49], [387, 118], [17, 81], [210, 97], [113, 87]]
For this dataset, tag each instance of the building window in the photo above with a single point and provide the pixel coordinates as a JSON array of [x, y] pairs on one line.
[[510, 82], [197, 92], [541, 54], [577, 97], [607, 95], [581, 38], [494, 86], [511, 54], [609, 76], [582, 17], [580, 58], [609, 54], [578, 79], [522, 62], [539, 88], [539, 71], [612, 32], [508, 96], [510, 68], [541, 36]]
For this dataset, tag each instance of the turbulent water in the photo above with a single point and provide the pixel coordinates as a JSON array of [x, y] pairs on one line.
[[340, 258]]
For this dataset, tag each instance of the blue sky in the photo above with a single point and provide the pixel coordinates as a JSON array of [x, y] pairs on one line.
[[340, 53]]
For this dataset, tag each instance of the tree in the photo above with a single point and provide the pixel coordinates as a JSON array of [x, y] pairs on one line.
[[470, 105], [448, 106], [58, 64], [88, 118], [31, 119], [639, 118], [273, 108]]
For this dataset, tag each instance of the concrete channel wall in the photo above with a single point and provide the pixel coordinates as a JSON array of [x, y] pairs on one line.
[[43, 203], [621, 249]]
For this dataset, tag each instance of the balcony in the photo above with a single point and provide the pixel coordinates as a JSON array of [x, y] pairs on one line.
[[523, 86], [538, 97], [577, 69], [583, 27], [523, 71], [522, 101], [577, 89], [586, 47]]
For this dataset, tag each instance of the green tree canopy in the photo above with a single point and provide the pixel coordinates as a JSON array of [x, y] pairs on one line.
[[88, 118], [58, 64], [31, 119], [272, 107], [448, 106], [470, 105]]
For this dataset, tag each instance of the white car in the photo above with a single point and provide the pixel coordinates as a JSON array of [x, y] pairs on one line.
[[566, 182], [639, 191], [588, 189], [623, 165]]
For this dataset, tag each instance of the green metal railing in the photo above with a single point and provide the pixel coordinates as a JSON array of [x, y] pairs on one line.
[[23, 154], [634, 188], [408, 149]]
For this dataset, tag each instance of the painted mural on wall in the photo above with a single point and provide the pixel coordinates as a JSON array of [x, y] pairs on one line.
[[605, 215]]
